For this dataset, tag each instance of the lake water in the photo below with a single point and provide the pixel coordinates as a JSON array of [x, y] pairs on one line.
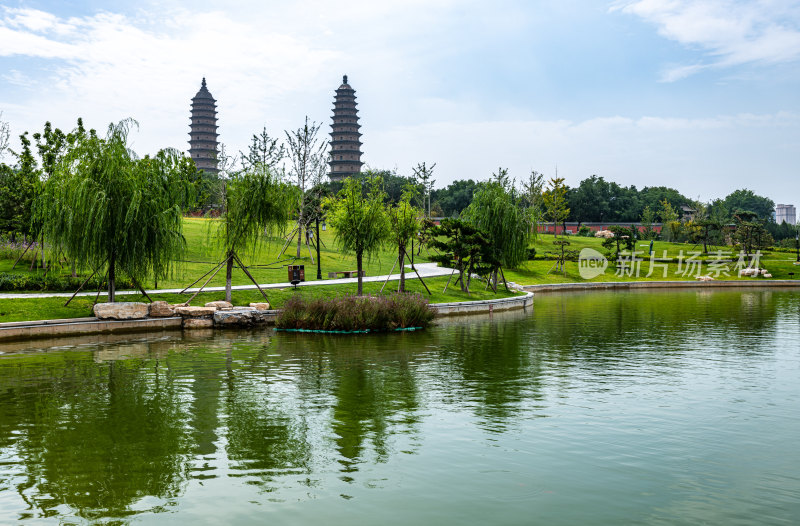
[[598, 408]]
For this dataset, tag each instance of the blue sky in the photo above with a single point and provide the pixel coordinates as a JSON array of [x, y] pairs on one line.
[[699, 95]]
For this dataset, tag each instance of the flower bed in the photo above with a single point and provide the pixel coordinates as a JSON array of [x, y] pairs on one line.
[[356, 313]]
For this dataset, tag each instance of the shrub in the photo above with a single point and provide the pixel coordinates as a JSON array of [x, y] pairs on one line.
[[356, 313], [36, 282], [584, 231]]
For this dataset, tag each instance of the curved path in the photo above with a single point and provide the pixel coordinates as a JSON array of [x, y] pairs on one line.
[[426, 270]]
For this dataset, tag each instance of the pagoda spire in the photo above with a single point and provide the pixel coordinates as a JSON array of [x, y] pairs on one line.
[[345, 159], [203, 136]]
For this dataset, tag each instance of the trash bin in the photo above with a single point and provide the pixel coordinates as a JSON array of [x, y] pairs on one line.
[[297, 273]]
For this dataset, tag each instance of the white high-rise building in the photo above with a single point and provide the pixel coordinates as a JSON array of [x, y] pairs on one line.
[[786, 213]]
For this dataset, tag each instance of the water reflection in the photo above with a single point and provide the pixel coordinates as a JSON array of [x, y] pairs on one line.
[[110, 429]]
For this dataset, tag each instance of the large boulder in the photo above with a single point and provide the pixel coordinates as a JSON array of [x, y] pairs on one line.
[[195, 312], [198, 323], [220, 305], [234, 318], [121, 311], [239, 317], [161, 309]]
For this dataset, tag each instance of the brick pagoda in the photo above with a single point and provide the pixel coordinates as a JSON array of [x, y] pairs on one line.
[[345, 157], [203, 137]]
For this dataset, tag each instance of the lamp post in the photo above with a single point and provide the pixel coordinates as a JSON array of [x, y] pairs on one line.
[[319, 263], [797, 244]]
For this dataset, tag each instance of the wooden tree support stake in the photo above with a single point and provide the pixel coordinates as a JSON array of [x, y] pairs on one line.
[[390, 273], [85, 282], [23, 253], [241, 266], [448, 281], [505, 283], [219, 267], [204, 275], [105, 278], [423, 283], [141, 289]]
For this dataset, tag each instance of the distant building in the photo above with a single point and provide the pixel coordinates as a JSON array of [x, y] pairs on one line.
[[203, 137], [345, 159], [687, 213], [786, 213]]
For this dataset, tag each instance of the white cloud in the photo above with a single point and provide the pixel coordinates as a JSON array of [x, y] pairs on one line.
[[727, 32]]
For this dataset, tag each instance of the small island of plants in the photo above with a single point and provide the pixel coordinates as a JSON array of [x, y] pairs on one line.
[[346, 314]]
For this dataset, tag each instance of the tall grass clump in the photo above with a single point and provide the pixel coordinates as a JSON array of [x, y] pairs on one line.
[[356, 313]]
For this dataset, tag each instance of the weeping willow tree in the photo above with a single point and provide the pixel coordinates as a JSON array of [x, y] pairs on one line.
[[359, 219], [257, 202], [499, 212], [108, 209]]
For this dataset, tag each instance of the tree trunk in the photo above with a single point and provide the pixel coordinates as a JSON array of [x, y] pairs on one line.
[[228, 275], [359, 266], [402, 256], [299, 236], [112, 279], [300, 224]]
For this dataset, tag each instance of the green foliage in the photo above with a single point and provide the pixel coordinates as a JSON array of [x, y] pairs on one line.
[[624, 239], [256, 201], [500, 214], [455, 198], [38, 282], [746, 201], [555, 201], [102, 206], [404, 222], [464, 247], [598, 200], [782, 231], [532, 196], [18, 189], [264, 151], [355, 313], [750, 232], [423, 177], [358, 217], [646, 220], [670, 228], [585, 231]]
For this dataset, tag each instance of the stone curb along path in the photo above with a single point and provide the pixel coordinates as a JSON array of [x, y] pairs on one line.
[[159, 315]]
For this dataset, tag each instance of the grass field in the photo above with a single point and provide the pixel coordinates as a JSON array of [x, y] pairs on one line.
[[779, 264], [203, 253], [53, 308]]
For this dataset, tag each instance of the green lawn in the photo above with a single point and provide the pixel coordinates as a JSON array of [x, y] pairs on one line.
[[779, 264], [53, 308], [203, 253]]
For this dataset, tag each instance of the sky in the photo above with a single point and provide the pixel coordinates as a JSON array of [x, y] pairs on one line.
[[702, 96]]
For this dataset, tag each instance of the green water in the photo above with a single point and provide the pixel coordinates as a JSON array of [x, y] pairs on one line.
[[602, 408]]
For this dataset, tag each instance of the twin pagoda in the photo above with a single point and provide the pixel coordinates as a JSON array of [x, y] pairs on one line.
[[345, 143]]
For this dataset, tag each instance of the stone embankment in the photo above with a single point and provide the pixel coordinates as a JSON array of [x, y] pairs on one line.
[[142, 317], [212, 314]]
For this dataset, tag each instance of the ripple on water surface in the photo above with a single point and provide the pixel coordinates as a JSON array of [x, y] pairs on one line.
[[601, 408]]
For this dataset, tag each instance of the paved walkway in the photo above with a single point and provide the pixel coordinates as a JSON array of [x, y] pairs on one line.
[[426, 270]]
